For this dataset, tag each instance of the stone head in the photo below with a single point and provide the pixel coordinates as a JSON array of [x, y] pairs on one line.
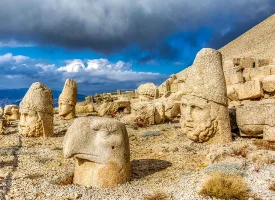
[[203, 105], [11, 112], [36, 110], [147, 92], [99, 140], [67, 100]]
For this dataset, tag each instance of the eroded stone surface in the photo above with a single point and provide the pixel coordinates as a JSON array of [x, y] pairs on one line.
[[147, 92], [204, 113], [67, 100], [249, 90], [269, 83], [11, 112], [257, 118], [36, 110], [101, 149]]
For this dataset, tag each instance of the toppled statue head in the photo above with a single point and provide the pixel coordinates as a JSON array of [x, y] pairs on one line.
[[147, 92], [36, 110], [101, 149], [204, 113], [67, 100], [11, 112]]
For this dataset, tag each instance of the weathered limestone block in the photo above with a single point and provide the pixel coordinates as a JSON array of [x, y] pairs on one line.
[[257, 73], [228, 64], [166, 85], [269, 83], [232, 94], [86, 106], [110, 108], [144, 110], [171, 104], [245, 62], [147, 92], [11, 112], [145, 113], [250, 118], [257, 118], [249, 90], [234, 75], [101, 149], [204, 112], [36, 110], [264, 62], [159, 112], [67, 100]]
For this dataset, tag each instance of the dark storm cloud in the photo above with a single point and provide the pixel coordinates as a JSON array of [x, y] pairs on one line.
[[106, 26]]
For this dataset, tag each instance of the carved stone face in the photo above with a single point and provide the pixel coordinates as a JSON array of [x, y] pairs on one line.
[[64, 108], [30, 124], [196, 120]]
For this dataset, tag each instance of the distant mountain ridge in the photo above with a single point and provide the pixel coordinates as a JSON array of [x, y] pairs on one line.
[[14, 96]]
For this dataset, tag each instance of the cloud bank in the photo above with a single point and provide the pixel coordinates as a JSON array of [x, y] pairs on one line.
[[107, 26], [97, 75]]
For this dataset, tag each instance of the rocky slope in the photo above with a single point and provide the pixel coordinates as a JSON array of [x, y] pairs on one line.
[[258, 42]]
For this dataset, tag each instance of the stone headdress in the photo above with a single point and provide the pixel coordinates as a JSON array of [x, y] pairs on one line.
[[38, 98], [205, 78], [69, 92]]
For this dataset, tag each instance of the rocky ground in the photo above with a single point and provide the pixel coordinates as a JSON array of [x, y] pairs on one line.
[[163, 161]]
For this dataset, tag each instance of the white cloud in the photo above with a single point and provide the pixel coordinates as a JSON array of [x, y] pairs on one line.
[[73, 66], [46, 67], [9, 58], [96, 69]]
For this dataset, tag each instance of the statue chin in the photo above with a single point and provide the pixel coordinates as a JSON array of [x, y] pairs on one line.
[[32, 130]]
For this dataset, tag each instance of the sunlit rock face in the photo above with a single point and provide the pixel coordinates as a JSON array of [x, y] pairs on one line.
[[67, 100], [36, 110], [11, 112], [204, 112], [101, 149]]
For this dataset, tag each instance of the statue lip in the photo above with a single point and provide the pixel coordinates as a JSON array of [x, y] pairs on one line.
[[189, 126]]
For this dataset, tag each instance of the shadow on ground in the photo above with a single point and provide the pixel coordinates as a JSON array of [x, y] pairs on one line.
[[144, 167]]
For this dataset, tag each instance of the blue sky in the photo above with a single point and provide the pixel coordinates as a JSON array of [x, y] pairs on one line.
[[105, 45]]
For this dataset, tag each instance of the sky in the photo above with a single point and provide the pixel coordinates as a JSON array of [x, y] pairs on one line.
[[105, 45]]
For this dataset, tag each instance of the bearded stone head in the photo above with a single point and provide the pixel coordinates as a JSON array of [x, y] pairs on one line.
[[204, 112], [36, 110]]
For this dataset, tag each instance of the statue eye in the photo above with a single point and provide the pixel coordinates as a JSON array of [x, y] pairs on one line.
[[105, 133]]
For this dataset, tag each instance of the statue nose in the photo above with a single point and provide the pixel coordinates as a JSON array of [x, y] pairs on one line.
[[189, 114]]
